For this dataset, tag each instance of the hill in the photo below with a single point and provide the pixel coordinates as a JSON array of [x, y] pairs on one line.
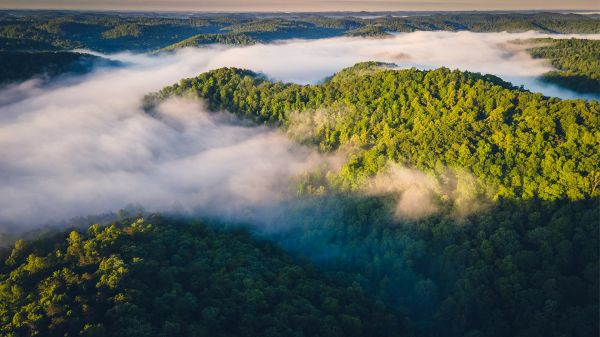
[[521, 144], [577, 61], [515, 183], [16, 66], [174, 278], [108, 32], [209, 39]]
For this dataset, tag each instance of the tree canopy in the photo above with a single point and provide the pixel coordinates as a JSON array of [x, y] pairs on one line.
[[175, 278], [521, 144], [577, 61]]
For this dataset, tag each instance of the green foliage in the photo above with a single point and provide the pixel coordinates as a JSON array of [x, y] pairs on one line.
[[123, 30], [174, 278], [577, 61], [526, 266], [522, 268], [520, 144], [207, 39], [117, 32], [369, 31]]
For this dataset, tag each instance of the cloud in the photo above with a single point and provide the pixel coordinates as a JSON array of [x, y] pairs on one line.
[[81, 147], [419, 195], [416, 192], [89, 148]]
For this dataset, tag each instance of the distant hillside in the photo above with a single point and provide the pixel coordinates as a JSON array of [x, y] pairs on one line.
[[16, 66], [577, 61], [138, 32], [208, 39]]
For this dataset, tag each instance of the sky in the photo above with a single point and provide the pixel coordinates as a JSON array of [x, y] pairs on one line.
[[304, 5]]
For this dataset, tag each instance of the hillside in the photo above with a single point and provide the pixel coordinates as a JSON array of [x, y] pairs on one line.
[[209, 39], [107, 32], [17, 66], [174, 278], [497, 257], [577, 61], [520, 144]]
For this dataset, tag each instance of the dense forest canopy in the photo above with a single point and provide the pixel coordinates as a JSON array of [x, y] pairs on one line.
[[16, 66], [175, 278], [521, 144], [577, 61], [484, 274]]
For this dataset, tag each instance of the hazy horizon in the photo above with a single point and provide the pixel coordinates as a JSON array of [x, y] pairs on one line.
[[300, 6]]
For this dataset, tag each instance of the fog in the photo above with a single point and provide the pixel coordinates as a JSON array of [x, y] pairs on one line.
[[419, 195], [310, 61], [83, 145]]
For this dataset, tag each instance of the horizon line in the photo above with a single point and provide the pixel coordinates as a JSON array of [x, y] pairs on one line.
[[557, 10]]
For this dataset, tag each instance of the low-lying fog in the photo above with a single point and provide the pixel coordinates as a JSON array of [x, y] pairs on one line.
[[84, 146]]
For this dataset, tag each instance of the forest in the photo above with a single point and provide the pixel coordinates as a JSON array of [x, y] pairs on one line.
[[17, 66], [577, 61], [43, 31], [167, 278], [521, 144], [110, 33], [511, 250], [200, 40], [447, 273]]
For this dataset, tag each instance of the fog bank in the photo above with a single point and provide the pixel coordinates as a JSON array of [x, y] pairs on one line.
[[88, 148]]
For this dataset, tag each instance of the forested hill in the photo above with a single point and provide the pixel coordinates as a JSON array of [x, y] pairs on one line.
[[577, 61], [175, 278], [521, 144], [16, 66], [208, 39]]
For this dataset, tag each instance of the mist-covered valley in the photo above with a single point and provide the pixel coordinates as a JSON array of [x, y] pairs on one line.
[[429, 183], [84, 146]]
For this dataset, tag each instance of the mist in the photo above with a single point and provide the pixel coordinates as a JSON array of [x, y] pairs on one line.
[[418, 195], [310, 61], [85, 146]]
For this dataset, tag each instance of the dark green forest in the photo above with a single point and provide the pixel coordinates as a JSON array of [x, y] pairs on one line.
[[577, 61], [44, 31], [525, 264], [208, 39], [16, 66], [145, 32], [175, 278]]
